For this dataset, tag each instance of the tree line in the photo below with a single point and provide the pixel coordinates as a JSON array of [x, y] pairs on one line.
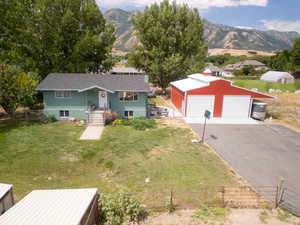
[[38, 37]]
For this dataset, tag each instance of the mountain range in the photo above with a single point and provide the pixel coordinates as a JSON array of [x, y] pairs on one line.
[[215, 35]]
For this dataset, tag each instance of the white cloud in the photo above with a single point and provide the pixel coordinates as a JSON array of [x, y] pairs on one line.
[[245, 27], [200, 4], [282, 25]]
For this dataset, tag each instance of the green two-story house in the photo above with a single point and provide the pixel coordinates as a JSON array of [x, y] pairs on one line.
[[74, 95]]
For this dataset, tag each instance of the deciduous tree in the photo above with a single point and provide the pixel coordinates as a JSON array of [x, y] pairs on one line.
[[16, 88], [56, 36], [171, 42]]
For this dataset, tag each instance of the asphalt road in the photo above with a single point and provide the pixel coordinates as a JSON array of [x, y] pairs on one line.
[[262, 154]]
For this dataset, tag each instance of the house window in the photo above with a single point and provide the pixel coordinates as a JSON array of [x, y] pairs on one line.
[[64, 113], [63, 94], [128, 114], [128, 96]]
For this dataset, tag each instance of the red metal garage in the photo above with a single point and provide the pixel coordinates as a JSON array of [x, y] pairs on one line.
[[197, 93]]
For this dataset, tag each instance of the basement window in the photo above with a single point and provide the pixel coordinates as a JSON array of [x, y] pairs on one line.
[[64, 113], [128, 114]]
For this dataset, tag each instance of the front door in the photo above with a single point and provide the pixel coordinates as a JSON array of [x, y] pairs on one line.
[[102, 99]]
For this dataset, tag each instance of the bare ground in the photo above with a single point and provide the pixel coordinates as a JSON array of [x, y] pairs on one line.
[[236, 217], [287, 107]]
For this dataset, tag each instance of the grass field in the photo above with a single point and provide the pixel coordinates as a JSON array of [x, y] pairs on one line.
[[34, 156], [265, 86], [286, 108]]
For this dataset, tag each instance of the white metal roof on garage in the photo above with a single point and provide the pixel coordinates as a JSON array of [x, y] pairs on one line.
[[188, 84], [194, 81], [4, 188], [203, 78], [49, 207]]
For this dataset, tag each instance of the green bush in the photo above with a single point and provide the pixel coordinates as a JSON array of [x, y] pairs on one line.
[[120, 209], [51, 119]]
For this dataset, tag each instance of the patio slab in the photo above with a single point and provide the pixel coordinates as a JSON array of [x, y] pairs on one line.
[[92, 133]]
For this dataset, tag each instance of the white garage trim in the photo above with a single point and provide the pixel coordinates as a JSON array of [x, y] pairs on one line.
[[236, 106], [197, 104]]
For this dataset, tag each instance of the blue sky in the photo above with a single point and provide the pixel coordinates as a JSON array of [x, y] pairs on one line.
[[281, 15]]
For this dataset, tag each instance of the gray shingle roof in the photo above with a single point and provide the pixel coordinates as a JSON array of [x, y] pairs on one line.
[[81, 82]]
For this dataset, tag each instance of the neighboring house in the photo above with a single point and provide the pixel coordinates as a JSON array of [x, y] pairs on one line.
[[126, 71], [74, 95], [197, 93], [218, 72], [240, 65], [278, 77], [55, 207]]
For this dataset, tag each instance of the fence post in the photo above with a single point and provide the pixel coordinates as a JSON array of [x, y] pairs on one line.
[[279, 193]]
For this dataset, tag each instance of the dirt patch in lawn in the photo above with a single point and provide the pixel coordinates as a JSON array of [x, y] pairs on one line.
[[234, 217], [155, 152], [173, 123], [69, 158]]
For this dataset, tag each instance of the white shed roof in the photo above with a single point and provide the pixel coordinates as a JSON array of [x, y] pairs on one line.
[[203, 78], [274, 76], [194, 81], [188, 84], [4, 188], [49, 207]]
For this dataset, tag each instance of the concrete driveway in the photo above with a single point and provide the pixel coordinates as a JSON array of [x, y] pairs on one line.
[[262, 154]]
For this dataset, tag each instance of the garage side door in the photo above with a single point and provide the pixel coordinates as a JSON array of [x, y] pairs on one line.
[[197, 104], [236, 106]]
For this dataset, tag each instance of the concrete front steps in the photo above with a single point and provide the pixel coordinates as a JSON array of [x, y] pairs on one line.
[[96, 118]]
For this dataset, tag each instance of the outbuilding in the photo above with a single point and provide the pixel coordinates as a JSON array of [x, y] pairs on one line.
[[278, 77], [199, 92], [6, 197], [59, 207]]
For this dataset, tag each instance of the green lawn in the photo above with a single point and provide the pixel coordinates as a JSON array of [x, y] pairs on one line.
[[265, 86], [34, 156]]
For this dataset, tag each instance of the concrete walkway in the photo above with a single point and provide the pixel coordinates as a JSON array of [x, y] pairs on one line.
[[92, 132]]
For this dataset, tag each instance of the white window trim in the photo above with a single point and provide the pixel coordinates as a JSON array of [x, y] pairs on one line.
[[64, 117], [63, 96], [129, 117], [128, 100]]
